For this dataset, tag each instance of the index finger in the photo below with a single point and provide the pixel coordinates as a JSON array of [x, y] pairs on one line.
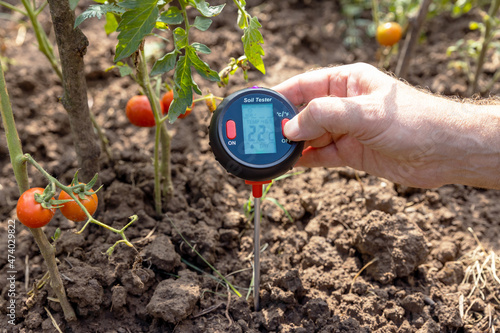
[[303, 88], [340, 81]]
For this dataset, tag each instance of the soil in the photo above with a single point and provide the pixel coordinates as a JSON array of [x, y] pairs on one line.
[[361, 255]]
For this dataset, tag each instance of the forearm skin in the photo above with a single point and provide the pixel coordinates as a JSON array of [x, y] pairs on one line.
[[478, 132]]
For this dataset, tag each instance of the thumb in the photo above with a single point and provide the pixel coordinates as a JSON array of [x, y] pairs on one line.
[[325, 115]]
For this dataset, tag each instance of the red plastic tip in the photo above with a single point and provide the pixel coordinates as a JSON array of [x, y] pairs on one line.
[[257, 187]]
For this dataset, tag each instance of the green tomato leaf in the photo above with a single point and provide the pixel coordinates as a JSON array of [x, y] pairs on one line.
[[57, 234], [201, 67], [173, 15], [98, 11], [202, 23], [137, 22], [183, 88], [111, 23], [180, 38], [202, 48], [164, 64], [124, 69], [252, 40], [205, 9]]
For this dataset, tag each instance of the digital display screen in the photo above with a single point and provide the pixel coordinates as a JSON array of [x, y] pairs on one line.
[[258, 128]]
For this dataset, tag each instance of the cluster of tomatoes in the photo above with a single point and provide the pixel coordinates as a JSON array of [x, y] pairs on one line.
[[35, 211], [140, 113]]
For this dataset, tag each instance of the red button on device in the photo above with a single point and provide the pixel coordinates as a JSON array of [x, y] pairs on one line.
[[283, 122], [231, 129]]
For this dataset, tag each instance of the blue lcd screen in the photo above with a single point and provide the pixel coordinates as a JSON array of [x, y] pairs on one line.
[[258, 128]]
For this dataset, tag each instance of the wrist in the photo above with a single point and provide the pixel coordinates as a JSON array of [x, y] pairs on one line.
[[477, 145]]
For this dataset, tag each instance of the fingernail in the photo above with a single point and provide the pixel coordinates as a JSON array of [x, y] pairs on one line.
[[292, 128]]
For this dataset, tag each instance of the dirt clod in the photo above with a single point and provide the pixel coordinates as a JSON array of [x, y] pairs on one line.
[[446, 251], [413, 303], [398, 245], [449, 316], [33, 320], [317, 308], [451, 273], [290, 281], [118, 297], [162, 254], [165, 303]]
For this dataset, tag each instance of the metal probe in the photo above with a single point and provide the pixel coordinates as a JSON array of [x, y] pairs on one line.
[[256, 254]]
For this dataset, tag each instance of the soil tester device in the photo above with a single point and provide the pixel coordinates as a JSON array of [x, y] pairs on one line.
[[247, 139]]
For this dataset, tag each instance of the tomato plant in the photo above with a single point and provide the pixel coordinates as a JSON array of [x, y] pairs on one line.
[[389, 33], [33, 210], [72, 211], [136, 21]]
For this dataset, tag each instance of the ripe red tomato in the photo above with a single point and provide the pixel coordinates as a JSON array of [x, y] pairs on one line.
[[73, 212], [30, 212], [139, 111], [389, 33], [167, 99]]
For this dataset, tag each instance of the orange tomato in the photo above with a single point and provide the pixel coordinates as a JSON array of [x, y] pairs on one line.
[[72, 211], [389, 33]]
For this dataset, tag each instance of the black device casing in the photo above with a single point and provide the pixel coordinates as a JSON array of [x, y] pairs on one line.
[[247, 171]]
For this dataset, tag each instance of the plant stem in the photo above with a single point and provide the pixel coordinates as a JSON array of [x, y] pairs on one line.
[[13, 141], [375, 13], [495, 78], [156, 164], [165, 169], [488, 35], [183, 4], [12, 7], [162, 136], [411, 39], [48, 253], [72, 45], [45, 47], [165, 139], [21, 174], [242, 11], [43, 41]]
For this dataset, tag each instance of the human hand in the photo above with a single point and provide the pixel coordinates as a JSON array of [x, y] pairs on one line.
[[357, 116]]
